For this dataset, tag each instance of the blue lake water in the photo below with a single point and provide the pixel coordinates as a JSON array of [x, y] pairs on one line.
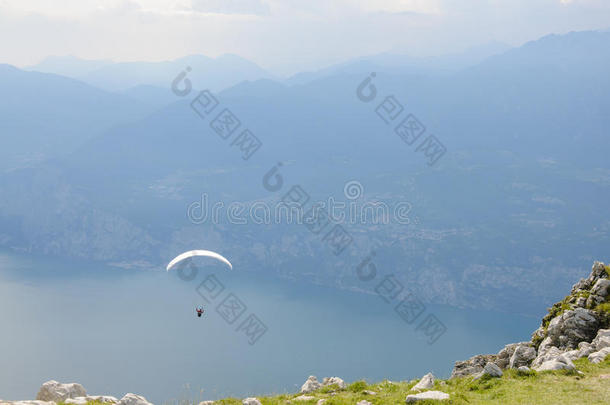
[[118, 331]]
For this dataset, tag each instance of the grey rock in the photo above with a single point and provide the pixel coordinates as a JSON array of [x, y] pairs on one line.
[[473, 365], [58, 392], [524, 370], [334, 380], [425, 383], [558, 363], [437, 395], [363, 402], [310, 385], [133, 399], [581, 302], [251, 401], [505, 354], [206, 403], [368, 392], [602, 339], [601, 287], [548, 354], [572, 327], [522, 356], [491, 369], [599, 356]]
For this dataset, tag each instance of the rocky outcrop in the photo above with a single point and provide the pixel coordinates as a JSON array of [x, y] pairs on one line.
[[58, 392], [567, 330], [428, 395], [573, 328], [251, 401]]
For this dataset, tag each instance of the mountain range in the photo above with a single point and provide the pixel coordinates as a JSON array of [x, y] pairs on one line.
[[104, 165]]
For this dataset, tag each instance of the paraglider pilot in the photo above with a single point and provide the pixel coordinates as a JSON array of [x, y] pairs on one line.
[[199, 311]]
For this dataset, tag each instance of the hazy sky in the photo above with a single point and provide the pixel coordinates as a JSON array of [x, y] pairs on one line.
[[282, 35]]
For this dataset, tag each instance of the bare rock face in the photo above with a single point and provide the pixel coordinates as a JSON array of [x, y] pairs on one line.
[[473, 365], [57, 392], [310, 385], [251, 401]]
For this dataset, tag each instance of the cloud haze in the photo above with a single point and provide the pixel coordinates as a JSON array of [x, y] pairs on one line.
[[283, 35]]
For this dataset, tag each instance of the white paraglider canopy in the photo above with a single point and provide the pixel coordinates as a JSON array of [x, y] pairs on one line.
[[194, 253]]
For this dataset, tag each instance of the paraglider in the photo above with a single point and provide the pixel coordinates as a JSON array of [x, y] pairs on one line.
[[194, 253]]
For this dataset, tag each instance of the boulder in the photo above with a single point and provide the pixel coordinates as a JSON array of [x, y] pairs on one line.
[[251, 401], [310, 385], [490, 369], [84, 400], [133, 399], [368, 392], [602, 339], [558, 363], [506, 353], [58, 392], [334, 380], [524, 370], [422, 396], [572, 327], [549, 354], [425, 383], [601, 287], [206, 403], [363, 402], [599, 356], [473, 365], [522, 356]]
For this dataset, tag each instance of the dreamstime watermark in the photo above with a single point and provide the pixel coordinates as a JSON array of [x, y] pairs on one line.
[[316, 219], [406, 304], [290, 211], [408, 128], [231, 308]]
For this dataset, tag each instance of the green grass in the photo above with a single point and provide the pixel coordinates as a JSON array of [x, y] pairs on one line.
[[544, 388], [514, 387]]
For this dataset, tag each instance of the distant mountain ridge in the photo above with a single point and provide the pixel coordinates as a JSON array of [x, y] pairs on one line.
[[525, 179], [213, 73]]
